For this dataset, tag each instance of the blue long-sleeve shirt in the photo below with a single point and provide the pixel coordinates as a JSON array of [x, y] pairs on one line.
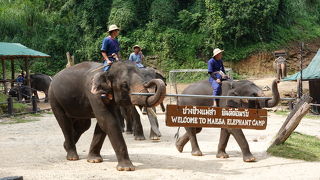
[[215, 66]]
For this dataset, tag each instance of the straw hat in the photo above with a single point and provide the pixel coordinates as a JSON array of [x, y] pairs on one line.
[[113, 27], [217, 51], [136, 46]]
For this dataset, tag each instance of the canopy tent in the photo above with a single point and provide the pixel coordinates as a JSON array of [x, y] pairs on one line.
[[312, 72], [12, 51], [17, 50]]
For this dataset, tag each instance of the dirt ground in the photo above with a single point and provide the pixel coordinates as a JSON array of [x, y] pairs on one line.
[[34, 150]]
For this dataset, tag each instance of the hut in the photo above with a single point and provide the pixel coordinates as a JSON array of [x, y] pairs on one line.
[[16, 51], [311, 74]]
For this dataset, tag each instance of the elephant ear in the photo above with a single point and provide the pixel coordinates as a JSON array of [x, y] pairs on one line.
[[100, 83], [233, 102]]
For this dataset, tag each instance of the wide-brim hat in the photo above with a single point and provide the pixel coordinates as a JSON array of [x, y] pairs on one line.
[[217, 51], [136, 46], [113, 27]]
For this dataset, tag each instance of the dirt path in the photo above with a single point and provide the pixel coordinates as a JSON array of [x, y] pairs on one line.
[[34, 150]]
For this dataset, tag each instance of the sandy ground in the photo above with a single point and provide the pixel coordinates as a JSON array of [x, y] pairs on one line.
[[34, 150]]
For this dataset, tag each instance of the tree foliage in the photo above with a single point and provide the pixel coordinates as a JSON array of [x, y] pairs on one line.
[[180, 33]]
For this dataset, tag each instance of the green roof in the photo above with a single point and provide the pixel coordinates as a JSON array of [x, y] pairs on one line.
[[309, 73], [17, 50]]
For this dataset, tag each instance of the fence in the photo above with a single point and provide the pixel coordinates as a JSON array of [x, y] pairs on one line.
[[32, 100]]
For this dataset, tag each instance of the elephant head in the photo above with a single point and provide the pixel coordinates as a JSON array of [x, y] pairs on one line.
[[124, 78], [248, 88]]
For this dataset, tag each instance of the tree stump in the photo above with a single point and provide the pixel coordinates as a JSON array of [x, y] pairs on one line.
[[294, 118]]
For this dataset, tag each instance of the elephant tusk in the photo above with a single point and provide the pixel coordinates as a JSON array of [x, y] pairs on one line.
[[151, 111]]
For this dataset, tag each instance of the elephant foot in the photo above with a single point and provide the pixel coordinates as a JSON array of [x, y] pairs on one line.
[[222, 155], [179, 146], [249, 158], [155, 138], [129, 132], [72, 156], [139, 137], [94, 158], [196, 153], [125, 166]]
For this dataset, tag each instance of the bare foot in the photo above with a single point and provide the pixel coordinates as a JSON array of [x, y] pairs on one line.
[[222, 155], [94, 158], [125, 166]]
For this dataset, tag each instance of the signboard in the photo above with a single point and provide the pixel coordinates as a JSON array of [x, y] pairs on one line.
[[218, 117]]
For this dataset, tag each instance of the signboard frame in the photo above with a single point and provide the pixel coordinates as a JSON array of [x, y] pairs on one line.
[[216, 117]]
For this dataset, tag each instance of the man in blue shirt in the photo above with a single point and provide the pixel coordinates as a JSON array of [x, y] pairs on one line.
[[217, 73], [137, 56], [110, 47]]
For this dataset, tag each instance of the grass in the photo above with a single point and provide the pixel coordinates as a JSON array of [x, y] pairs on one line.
[[298, 146], [16, 120], [286, 113], [17, 107]]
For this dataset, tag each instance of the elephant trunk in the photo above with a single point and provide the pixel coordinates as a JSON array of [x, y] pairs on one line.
[[159, 95], [275, 95]]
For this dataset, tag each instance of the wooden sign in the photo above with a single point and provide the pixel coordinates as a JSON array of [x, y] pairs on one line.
[[218, 117]]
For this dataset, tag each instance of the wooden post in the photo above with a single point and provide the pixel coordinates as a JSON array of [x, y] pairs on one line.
[[70, 60], [12, 73], [26, 66], [34, 104], [10, 106], [4, 75], [293, 120]]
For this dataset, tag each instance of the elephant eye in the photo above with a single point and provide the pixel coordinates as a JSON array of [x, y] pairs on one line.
[[125, 87]]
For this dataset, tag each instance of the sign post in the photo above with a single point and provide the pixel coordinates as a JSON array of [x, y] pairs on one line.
[[217, 117]]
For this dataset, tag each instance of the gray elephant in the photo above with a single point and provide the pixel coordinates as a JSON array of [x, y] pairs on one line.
[[133, 122], [39, 82], [229, 88], [76, 96], [280, 67]]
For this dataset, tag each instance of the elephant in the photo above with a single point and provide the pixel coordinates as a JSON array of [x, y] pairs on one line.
[[133, 123], [280, 67], [229, 88], [84, 91], [39, 82]]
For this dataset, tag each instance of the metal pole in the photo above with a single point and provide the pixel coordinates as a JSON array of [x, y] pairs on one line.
[[216, 97]]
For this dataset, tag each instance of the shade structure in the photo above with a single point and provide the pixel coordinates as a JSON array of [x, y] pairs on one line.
[[311, 72], [18, 51]]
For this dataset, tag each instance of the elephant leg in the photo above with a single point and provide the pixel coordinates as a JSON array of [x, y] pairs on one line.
[[190, 135], [96, 145], [194, 142], [278, 71], [224, 138], [182, 141], [283, 71], [242, 142], [153, 135], [66, 126], [138, 129], [36, 95], [46, 96], [80, 126], [119, 117], [128, 121]]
